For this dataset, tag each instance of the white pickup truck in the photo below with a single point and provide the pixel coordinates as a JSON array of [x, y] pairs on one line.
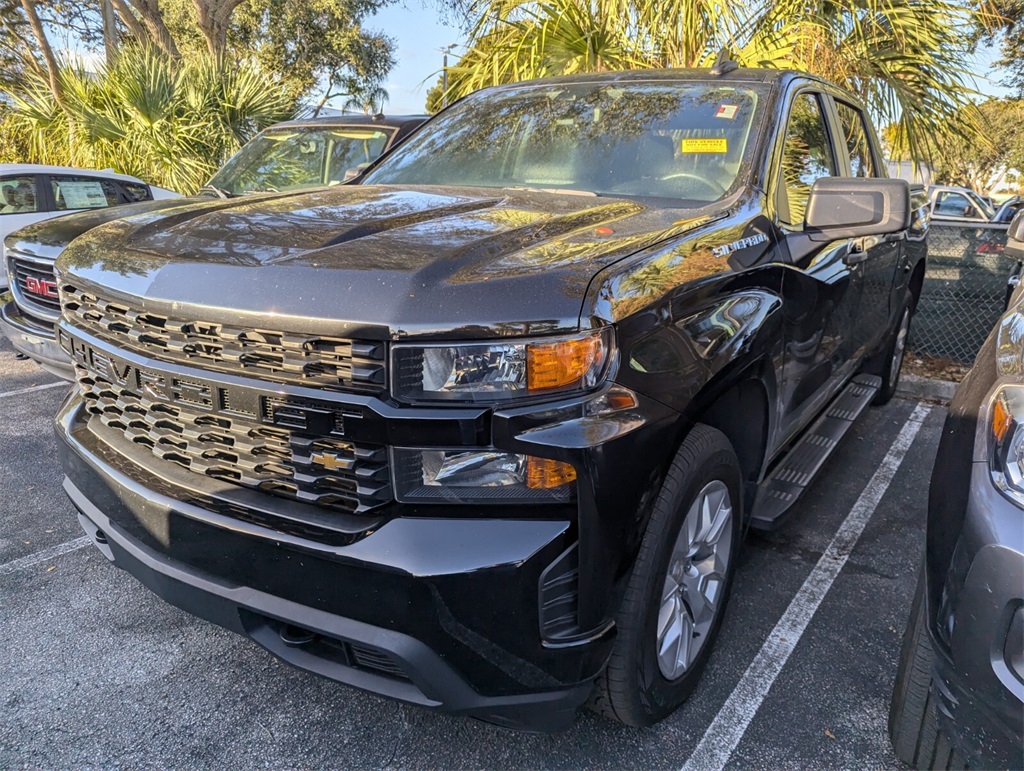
[[958, 204]]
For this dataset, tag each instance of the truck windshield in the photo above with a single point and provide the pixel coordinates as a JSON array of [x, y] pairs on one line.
[[684, 141], [299, 157], [982, 204]]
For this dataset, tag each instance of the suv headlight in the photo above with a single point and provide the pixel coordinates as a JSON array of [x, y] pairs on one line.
[[499, 371], [1006, 436]]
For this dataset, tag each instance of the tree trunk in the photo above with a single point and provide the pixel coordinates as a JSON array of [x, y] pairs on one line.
[[214, 18], [149, 25], [109, 32], [52, 68]]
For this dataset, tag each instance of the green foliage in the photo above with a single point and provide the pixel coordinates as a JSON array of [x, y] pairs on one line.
[[907, 59], [13, 137], [973, 161], [315, 40], [170, 122], [1009, 28]]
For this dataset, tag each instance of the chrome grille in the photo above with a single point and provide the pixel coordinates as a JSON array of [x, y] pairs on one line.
[[270, 355], [32, 280], [244, 452]]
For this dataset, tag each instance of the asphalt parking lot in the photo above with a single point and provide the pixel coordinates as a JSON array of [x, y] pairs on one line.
[[98, 672]]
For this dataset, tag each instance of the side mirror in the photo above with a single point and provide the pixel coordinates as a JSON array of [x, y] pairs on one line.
[[853, 207], [1015, 237]]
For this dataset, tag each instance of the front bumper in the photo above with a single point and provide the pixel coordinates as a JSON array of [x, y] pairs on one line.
[[36, 339], [434, 606], [978, 634]]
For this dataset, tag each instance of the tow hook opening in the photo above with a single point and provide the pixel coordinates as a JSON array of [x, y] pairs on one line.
[[295, 635], [99, 538]]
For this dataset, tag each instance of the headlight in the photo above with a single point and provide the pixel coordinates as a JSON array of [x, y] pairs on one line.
[[498, 371], [1006, 451], [480, 476]]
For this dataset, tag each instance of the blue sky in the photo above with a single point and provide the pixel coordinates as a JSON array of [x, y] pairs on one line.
[[420, 32]]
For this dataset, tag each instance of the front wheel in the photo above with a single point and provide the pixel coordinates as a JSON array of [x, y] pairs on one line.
[[677, 592], [913, 714]]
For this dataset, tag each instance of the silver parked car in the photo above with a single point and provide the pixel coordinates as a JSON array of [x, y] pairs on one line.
[[31, 193], [959, 695]]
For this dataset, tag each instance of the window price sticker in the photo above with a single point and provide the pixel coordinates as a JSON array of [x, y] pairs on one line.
[[706, 145], [82, 194]]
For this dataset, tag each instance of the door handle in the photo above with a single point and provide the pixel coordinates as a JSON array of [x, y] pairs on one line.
[[856, 253]]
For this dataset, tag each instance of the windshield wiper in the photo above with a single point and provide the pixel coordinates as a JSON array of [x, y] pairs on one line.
[[561, 190], [217, 191]]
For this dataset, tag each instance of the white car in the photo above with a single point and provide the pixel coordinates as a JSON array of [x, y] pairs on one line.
[[32, 192]]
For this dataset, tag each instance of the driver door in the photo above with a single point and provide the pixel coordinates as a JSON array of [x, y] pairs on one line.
[[822, 290]]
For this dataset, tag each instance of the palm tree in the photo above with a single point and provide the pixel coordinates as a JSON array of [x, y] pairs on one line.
[[169, 121], [366, 96], [907, 59]]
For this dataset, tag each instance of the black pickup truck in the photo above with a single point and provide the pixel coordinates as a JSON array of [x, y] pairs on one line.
[[484, 433]]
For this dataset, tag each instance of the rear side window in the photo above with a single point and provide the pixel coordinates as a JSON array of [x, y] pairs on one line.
[[71, 193], [851, 121], [18, 195], [806, 157], [135, 192]]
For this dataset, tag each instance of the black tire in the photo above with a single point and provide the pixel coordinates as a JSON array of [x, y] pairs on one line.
[[632, 689], [913, 715], [887, 366]]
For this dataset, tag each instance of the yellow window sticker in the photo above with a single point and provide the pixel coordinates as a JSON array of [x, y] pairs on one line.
[[706, 145]]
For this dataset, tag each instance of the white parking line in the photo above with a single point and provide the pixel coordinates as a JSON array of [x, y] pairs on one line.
[[30, 389], [45, 555], [731, 722]]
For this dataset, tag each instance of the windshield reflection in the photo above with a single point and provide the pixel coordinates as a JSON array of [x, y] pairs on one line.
[[296, 158], [684, 141]]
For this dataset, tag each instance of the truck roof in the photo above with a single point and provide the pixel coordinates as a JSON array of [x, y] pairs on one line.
[[740, 74]]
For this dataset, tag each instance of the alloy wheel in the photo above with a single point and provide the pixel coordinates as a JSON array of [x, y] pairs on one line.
[[695, 580], [900, 347]]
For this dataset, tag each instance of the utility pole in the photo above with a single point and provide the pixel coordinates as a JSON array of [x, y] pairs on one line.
[[109, 31], [444, 74]]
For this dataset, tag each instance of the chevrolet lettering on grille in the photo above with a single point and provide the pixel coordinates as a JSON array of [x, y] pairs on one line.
[[197, 393]]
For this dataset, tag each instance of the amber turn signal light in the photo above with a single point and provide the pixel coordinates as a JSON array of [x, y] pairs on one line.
[[545, 474], [1001, 420], [562, 363]]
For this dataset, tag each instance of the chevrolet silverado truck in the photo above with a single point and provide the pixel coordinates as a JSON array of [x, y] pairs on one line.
[[293, 155], [484, 433]]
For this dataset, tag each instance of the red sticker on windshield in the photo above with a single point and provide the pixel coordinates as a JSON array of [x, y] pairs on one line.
[[727, 111]]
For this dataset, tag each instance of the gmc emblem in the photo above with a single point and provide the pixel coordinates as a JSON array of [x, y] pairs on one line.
[[41, 287]]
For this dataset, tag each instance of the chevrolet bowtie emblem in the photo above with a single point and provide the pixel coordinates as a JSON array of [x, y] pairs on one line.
[[326, 459]]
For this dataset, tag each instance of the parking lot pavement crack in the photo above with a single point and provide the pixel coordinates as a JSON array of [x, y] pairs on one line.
[[400, 739], [731, 723], [44, 556]]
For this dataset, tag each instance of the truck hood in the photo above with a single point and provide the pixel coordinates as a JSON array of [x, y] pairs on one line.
[[376, 261], [48, 238]]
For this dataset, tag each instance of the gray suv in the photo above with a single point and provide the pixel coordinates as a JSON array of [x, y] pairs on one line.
[[959, 695]]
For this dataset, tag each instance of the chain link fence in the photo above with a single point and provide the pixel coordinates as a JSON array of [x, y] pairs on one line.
[[964, 290]]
